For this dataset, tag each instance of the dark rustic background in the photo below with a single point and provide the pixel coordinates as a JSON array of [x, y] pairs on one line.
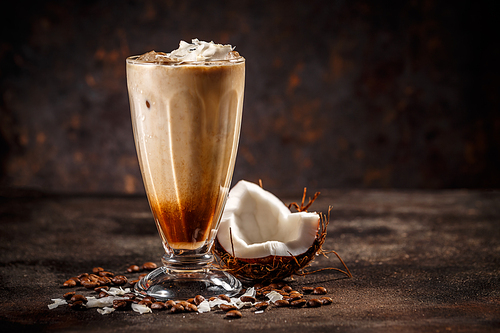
[[365, 94]]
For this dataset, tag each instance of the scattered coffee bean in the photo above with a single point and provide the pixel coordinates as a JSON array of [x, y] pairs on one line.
[[142, 275], [149, 266], [183, 303], [82, 275], [103, 280], [298, 303], [78, 297], [177, 308], [102, 294], [78, 305], [198, 299], [93, 277], [261, 306], [227, 307], [129, 295], [69, 283], [96, 270], [68, 295], [225, 298], [307, 289], [191, 300], [233, 314], [133, 269], [248, 299], [314, 303], [120, 304], [106, 274], [149, 298], [273, 286], [281, 303], [89, 284], [213, 298], [132, 283], [287, 289], [326, 300], [158, 306], [319, 291], [119, 280], [191, 308], [146, 302], [101, 288], [169, 304]]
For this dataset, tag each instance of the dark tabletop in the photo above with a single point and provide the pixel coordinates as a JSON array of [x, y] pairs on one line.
[[421, 261]]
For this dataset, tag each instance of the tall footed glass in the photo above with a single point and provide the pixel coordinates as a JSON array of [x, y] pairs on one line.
[[186, 119]]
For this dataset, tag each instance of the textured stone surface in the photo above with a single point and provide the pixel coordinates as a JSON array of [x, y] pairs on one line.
[[422, 261], [338, 93]]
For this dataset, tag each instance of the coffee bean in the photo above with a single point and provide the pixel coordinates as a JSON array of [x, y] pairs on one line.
[[101, 288], [129, 295], [103, 280], [261, 305], [183, 303], [119, 280], [78, 297], [225, 298], [106, 274], [132, 283], [282, 303], [149, 266], [142, 275], [78, 305], [69, 283], [227, 307], [93, 277], [97, 270], [68, 295], [89, 284], [158, 306], [146, 302], [102, 294], [213, 298], [273, 286], [198, 299], [319, 291], [326, 300], [248, 299], [307, 289], [169, 304], [177, 308], [149, 298], [295, 296], [133, 269], [82, 275], [287, 289], [191, 308], [191, 300], [233, 314], [314, 303], [298, 303], [120, 304]]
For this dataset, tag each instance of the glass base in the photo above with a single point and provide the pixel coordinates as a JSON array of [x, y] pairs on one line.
[[164, 284]]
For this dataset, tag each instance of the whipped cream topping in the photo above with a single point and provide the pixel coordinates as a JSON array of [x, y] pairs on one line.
[[200, 51]]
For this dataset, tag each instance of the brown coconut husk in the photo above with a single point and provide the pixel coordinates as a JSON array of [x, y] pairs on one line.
[[276, 268]]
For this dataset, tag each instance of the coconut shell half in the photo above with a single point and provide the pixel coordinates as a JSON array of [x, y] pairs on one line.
[[261, 240]]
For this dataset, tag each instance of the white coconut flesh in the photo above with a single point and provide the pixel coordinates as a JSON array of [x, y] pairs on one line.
[[261, 225]]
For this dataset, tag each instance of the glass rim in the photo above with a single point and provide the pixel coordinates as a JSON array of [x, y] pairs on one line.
[[133, 61]]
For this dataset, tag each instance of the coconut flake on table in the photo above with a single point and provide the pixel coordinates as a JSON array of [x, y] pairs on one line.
[[274, 296], [106, 310], [118, 291], [142, 309], [204, 307], [57, 302], [101, 302]]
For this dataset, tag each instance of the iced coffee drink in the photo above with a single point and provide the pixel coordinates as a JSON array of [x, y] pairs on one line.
[[186, 112]]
